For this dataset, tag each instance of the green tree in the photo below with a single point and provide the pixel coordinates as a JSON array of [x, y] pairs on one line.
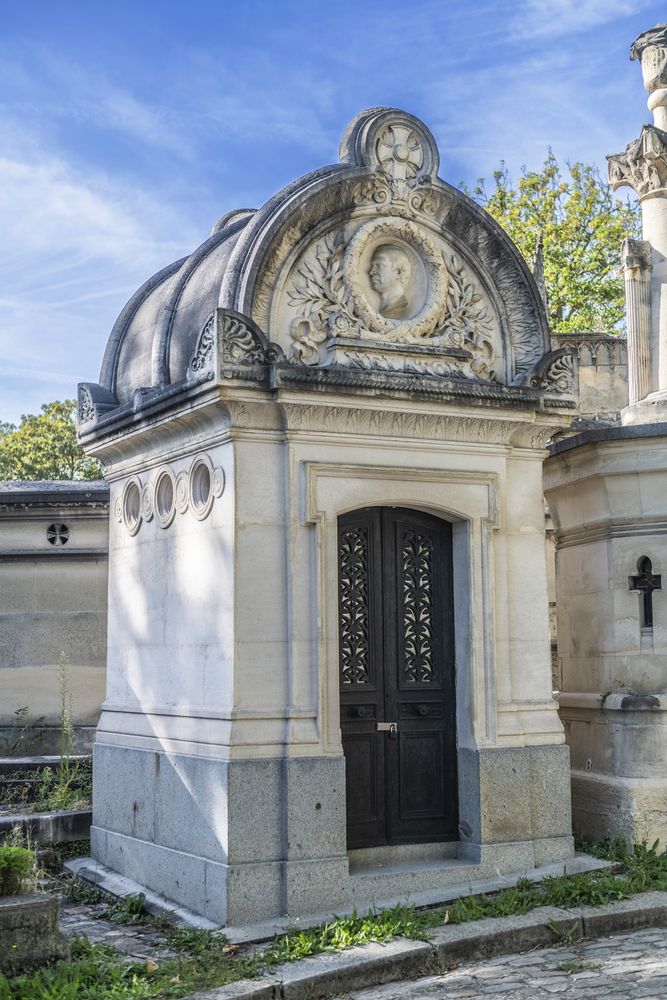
[[579, 224], [45, 446]]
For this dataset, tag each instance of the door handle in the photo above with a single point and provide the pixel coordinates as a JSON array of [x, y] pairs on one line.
[[388, 727]]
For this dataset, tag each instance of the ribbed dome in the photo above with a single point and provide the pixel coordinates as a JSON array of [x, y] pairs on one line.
[[165, 316]]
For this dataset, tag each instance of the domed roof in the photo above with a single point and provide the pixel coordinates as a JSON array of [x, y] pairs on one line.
[[302, 278]]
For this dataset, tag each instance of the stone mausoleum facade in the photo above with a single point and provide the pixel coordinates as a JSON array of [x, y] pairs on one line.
[[329, 671]]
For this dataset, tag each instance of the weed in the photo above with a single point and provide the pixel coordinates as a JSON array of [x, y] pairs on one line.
[[574, 965], [68, 787], [97, 972], [28, 732], [77, 891], [195, 941], [126, 910], [345, 932], [17, 867], [565, 936]]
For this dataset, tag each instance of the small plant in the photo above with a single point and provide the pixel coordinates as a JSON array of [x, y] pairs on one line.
[[127, 910], [17, 866], [70, 785], [346, 932], [195, 941], [28, 732]]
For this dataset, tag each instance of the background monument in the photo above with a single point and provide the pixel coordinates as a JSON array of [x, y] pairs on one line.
[[606, 492]]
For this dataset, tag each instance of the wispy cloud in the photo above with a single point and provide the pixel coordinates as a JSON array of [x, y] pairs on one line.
[[552, 18]]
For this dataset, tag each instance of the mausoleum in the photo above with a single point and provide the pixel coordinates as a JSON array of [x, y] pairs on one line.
[[329, 673]]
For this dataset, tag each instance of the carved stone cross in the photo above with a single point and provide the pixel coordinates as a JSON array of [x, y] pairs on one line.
[[646, 582]]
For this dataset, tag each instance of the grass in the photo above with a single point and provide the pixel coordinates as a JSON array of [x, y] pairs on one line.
[[96, 972], [207, 960]]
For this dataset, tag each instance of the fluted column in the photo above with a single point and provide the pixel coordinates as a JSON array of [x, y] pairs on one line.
[[637, 268], [643, 167]]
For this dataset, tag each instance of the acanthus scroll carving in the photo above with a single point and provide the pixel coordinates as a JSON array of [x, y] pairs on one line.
[[555, 373], [201, 365], [86, 407], [240, 345]]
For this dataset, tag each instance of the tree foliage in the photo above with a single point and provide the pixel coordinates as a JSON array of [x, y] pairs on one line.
[[45, 446], [580, 225]]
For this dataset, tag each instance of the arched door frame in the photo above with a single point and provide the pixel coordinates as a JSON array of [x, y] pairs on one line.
[[468, 501]]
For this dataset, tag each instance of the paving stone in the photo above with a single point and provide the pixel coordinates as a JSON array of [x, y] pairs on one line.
[[629, 966]]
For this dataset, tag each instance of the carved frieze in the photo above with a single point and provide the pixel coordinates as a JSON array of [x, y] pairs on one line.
[[398, 423]]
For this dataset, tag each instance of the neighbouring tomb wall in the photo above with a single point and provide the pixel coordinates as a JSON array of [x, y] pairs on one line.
[[603, 375], [53, 604]]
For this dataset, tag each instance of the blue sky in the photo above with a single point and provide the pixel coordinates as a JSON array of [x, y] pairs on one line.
[[129, 128]]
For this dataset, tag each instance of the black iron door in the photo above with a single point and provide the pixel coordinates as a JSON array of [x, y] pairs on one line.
[[397, 676]]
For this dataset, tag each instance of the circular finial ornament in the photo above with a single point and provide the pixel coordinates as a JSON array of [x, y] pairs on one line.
[[393, 141]]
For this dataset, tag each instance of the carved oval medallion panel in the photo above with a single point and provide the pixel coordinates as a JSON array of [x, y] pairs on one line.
[[390, 294]]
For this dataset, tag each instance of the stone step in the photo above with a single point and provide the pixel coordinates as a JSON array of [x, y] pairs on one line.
[[385, 881], [29, 766], [431, 883]]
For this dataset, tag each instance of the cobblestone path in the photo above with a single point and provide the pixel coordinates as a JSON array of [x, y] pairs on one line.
[[622, 966], [137, 942]]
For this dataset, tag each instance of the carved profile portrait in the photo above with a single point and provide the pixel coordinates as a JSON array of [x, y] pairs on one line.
[[389, 274]]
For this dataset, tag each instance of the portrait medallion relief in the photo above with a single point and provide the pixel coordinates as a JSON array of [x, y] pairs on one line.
[[389, 273], [397, 283]]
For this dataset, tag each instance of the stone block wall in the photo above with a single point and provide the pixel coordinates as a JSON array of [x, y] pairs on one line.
[[53, 595]]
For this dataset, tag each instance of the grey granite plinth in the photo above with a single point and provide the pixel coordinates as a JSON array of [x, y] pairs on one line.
[[236, 841], [519, 798]]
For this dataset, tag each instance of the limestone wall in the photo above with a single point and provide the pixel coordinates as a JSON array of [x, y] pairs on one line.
[[603, 373], [53, 593]]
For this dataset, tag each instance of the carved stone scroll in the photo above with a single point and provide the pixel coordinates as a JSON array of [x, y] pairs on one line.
[[555, 373], [231, 344]]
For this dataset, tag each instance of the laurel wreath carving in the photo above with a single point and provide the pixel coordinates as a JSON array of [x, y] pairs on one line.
[[327, 310]]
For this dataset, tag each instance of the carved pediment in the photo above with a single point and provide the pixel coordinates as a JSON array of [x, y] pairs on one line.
[[377, 262], [385, 292]]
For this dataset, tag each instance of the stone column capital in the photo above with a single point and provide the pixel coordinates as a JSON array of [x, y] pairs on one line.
[[643, 165], [637, 258]]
